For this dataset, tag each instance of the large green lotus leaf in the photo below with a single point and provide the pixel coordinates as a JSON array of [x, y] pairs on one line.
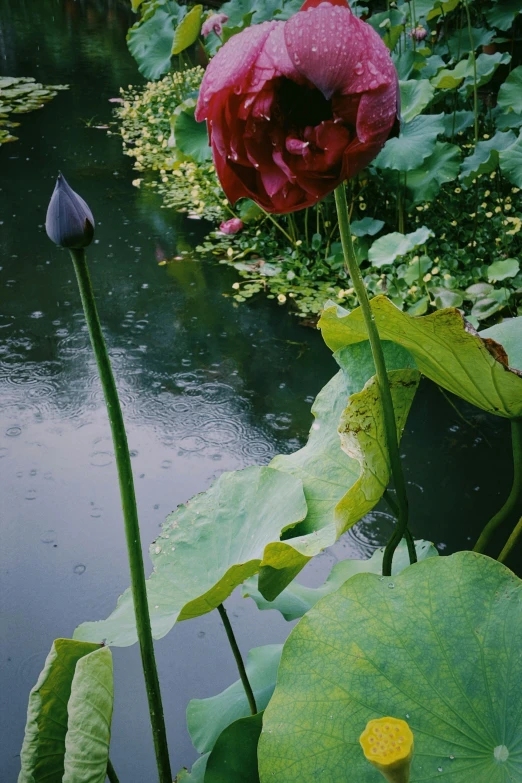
[[67, 700], [415, 96], [296, 600], [510, 93], [150, 40], [234, 756], [90, 714], [485, 156], [206, 549], [415, 143], [336, 483], [196, 774], [439, 646], [445, 348], [503, 13], [207, 718], [511, 162], [509, 334], [187, 30], [458, 121], [442, 166], [387, 248], [191, 136], [487, 64]]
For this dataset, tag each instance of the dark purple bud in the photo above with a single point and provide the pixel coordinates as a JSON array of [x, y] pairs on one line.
[[69, 221]]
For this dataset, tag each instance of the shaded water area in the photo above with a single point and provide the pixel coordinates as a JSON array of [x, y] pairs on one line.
[[206, 385]]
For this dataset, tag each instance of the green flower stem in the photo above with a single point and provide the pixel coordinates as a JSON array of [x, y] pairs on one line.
[[475, 80], [511, 542], [390, 426], [111, 773], [130, 515], [239, 660], [279, 226], [515, 496]]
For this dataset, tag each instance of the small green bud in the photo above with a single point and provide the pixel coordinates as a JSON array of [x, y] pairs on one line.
[[69, 222]]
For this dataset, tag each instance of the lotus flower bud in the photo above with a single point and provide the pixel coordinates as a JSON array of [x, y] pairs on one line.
[[419, 33], [387, 743], [231, 226], [69, 221], [214, 24]]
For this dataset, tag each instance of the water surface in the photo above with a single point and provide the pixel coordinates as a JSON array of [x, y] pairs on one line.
[[206, 385]]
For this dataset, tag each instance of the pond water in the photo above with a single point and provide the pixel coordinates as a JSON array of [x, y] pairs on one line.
[[206, 385]]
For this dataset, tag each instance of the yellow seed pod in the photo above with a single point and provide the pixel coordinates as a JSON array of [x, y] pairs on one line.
[[387, 743]]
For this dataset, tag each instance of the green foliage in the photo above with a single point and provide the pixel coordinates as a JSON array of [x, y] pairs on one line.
[[296, 600], [443, 348], [191, 137], [69, 716], [150, 40], [292, 509], [19, 95], [438, 645], [188, 29], [510, 160], [207, 718], [391, 246], [415, 143], [234, 756], [485, 157]]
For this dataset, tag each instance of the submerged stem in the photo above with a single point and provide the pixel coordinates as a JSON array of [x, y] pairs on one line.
[[130, 514], [111, 773], [239, 660], [515, 496], [385, 395], [511, 542]]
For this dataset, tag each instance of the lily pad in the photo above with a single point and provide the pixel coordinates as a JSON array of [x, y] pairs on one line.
[[509, 334], [445, 349], [69, 716], [297, 599], [206, 549], [207, 718], [438, 646], [19, 95], [387, 248], [503, 269]]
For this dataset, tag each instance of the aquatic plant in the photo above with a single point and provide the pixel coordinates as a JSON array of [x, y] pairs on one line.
[[407, 643], [19, 95]]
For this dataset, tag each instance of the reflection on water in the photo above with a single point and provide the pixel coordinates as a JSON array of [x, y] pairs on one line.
[[206, 386]]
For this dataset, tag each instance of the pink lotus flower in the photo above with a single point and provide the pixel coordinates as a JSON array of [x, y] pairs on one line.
[[419, 33], [294, 108], [232, 226], [214, 24]]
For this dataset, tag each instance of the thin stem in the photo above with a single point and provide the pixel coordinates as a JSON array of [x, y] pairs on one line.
[[475, 80], [390, 425], [515, 496], [130, 515], [279, 226], [239, 660], [307, 239], [511, 542], [111, 773]]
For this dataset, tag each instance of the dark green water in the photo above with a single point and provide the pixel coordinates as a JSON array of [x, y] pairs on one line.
[[207, 386]]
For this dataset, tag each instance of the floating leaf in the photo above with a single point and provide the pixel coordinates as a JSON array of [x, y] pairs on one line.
[[415, 96], [296, 600], [445, 349], [69, 715], [442, 166], [413, 146], [192, 137], [187, 30], [386, 249], [510, 161], [445, 297], [501, 270], [438, 646], [503, 13], [485, 157], [206, 549], [416, 270], [207, 718], [234, 756]]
